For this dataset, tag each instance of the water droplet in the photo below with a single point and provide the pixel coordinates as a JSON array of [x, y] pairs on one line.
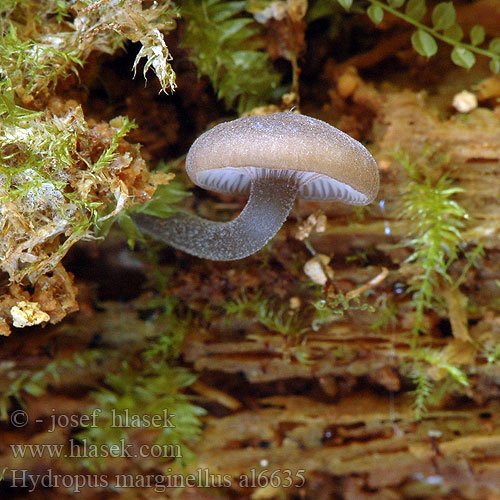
[[398, 288], [434, 479]]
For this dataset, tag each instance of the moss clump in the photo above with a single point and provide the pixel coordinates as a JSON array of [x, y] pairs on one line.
[[60, 179], [63, 178], [435, 242], [43, 42], [225, 46]]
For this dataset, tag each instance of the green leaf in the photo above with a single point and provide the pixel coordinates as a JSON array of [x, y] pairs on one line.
[[345, 3], [221, 11], [495, 45], [9, 110], [456, 373], [395, 4], [424, 43], [495, 66], [477, 35], [127, 225], [443, 15], [454, 32], [231, 28], [375, 13], [165, 196], [416, 9], [34, 389], [463, 57]]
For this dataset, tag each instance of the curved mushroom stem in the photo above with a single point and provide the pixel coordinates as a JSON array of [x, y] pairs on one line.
[[271, 199]]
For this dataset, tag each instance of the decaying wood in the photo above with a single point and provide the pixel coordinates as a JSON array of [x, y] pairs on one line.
[[367, 436], [344, 412]]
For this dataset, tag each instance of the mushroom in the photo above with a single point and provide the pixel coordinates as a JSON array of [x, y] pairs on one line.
[[274, 158]]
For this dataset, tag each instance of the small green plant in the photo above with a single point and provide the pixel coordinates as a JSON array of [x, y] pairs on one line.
[[35, 382], [33, 65], [166, 196], [423, 388], [173, 323], [436, 239], [444, 28], [493, 354], [333, 308], [162, 204], [387, 312], [436, 242], [224, 45], [423, 359], [51, 184], [436, 359], [276, 317], [279, 317], [149, 393], [148, 383], [43, 42]]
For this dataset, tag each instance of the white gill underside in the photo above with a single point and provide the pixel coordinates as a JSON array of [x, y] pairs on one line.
[[312, 186]]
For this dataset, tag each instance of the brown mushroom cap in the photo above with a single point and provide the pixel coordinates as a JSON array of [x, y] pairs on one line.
[[330, 164]]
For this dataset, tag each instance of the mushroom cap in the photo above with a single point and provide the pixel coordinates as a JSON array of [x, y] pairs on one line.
[[329, 164]]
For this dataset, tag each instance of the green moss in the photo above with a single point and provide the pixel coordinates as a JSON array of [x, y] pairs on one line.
[[36, 382], [34, 66], [51, 184], [274, 315], [435, 242], [148, 393], [387, 315], [223, 43], [148, 383], [166, 196], [277, 315], [331, 309], [136, 372], [493, 355], [43, 42]]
